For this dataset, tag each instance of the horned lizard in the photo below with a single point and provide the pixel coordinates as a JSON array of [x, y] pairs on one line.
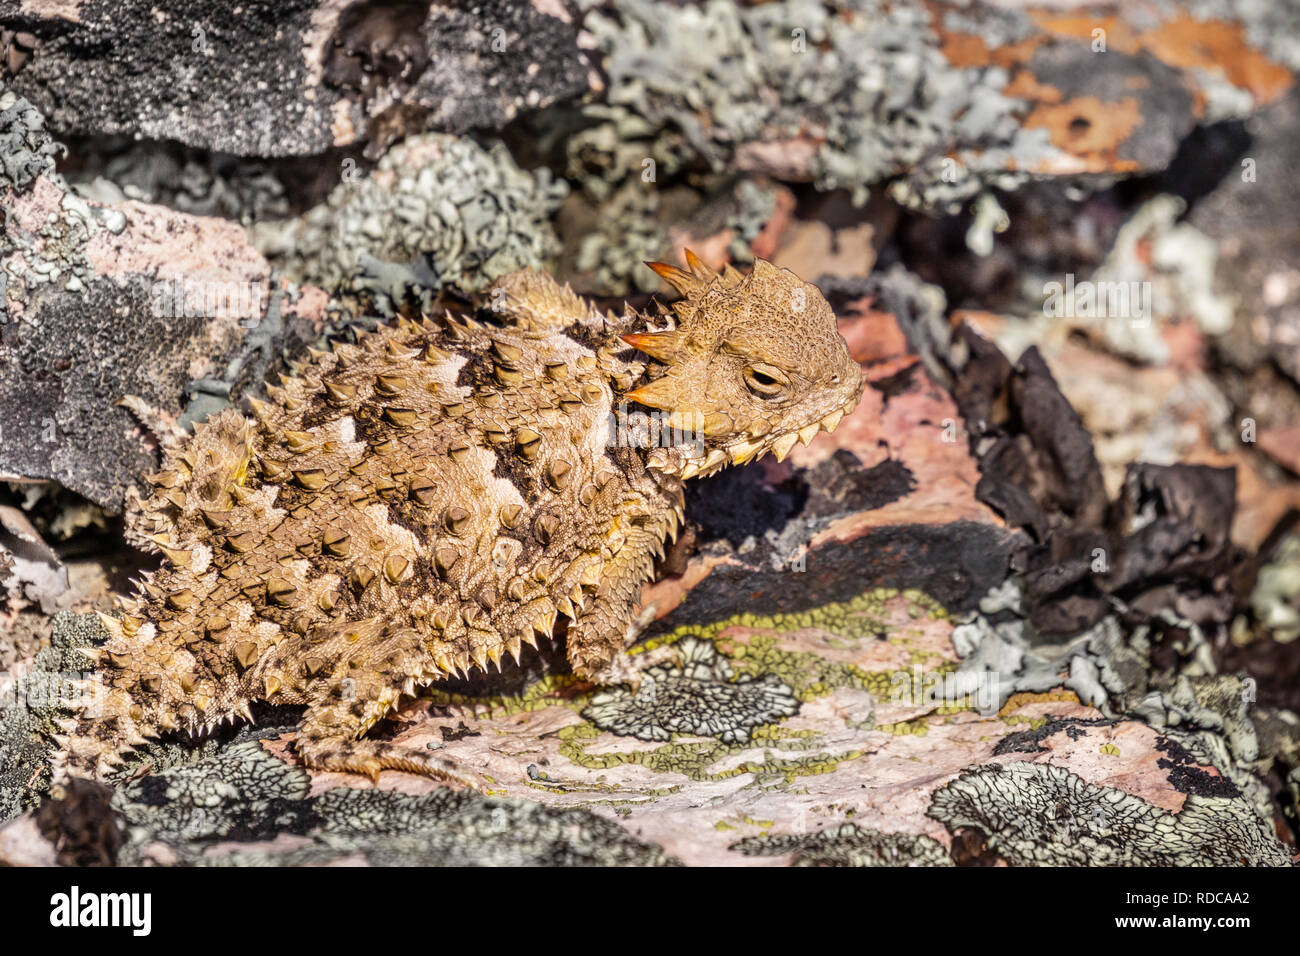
[[426, 500]]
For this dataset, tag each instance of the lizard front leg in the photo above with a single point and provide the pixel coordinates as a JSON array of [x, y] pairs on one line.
[[622, 667], [599, 639], [333, 727]]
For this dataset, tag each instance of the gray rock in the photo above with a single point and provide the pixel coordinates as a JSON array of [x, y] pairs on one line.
[[243, 795], [292, 77], [113, 304]]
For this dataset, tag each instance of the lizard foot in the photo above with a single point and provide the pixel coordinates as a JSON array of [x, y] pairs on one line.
[[629, 669], [371, 757]]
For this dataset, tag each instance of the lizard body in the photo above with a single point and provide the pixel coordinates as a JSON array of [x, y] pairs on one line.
[[430, 499]]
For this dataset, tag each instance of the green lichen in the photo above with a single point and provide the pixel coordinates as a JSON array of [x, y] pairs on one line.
[[848, 623], [697, 759], [806, 675]]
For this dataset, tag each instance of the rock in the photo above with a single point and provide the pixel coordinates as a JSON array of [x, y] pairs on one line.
[[30, 570], [22, 844], [1043, 815], [294, 78], [109, 302], [215, 811], [1251, 215], [891, 759]]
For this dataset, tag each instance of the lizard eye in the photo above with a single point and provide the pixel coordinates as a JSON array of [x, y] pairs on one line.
[[765, 381]]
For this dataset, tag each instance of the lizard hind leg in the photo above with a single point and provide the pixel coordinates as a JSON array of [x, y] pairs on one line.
[[331, 737]]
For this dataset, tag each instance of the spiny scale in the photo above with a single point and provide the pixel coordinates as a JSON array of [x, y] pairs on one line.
[[415, 505]]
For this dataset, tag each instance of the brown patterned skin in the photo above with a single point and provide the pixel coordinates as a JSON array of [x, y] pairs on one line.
[[428, 500]]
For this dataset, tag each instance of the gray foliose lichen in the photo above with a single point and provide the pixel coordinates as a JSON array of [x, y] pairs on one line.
[[701, 696], [849, 845], [26, 147], [845, 93], [189, 180], [243, 796], [438, 209], [1036, 814], [631, 227], [32, 702], [1209, 716], [53, 255]]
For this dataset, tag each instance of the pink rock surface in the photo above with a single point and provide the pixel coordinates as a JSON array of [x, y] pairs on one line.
[[847, 756]]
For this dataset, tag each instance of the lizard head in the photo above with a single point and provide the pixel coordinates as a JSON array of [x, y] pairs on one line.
[[754, 364]]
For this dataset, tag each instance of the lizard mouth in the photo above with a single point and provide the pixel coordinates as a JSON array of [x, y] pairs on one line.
[[744, 450]]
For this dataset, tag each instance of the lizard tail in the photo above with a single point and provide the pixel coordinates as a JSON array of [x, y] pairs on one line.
[[147, 681], [105, 722], [133, 696]]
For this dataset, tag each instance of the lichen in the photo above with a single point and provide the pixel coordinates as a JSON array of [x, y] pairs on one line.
[[866, 83], [438, 209], [701, 697], [759, 657], [697, 759], [810, 675], [6, 572], [635, 220], [188, 180], [1107, 667], [628, 233], [1275, 599], [246, 795], [26, 148], [52, 253], [31, 705], [1042, 815], [1273, 28], [848, 845], [240, 787]]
